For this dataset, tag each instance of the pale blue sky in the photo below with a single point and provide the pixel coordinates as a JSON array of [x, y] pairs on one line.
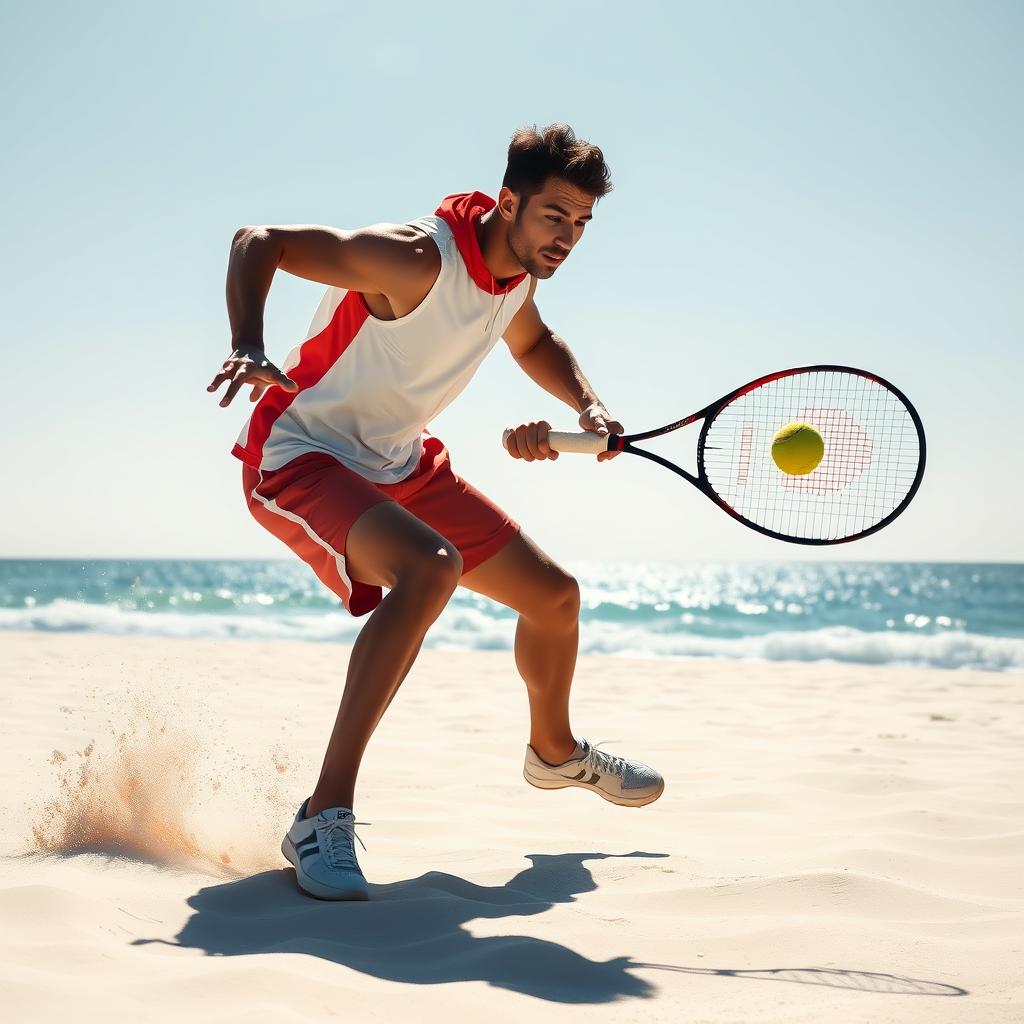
[[795, 183]]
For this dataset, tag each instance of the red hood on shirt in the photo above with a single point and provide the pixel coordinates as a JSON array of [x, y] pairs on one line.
[[461, 212]]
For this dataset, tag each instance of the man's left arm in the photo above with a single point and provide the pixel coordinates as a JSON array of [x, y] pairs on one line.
[[548, 360]]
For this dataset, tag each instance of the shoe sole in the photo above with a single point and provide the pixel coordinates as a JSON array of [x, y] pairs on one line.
[[618, 801], [311, 887]]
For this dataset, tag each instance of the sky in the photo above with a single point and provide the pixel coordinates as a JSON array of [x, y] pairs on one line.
[[795, 183]]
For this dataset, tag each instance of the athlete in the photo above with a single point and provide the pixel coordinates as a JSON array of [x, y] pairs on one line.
[[339, 464]]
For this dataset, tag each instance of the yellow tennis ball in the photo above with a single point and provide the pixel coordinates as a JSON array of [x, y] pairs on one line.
[[797, 449]]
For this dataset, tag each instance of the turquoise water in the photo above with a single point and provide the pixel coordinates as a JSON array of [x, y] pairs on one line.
[[948, 615]]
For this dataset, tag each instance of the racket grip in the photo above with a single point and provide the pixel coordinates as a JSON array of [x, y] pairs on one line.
[[582, 442]]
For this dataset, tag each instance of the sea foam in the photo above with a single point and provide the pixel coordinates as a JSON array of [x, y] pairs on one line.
[[474, 627]]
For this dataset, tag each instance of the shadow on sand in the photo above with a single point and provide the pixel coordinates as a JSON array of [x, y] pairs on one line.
[[411, 931]]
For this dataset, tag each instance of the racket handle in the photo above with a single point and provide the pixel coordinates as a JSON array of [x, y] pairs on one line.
[[582, 442]]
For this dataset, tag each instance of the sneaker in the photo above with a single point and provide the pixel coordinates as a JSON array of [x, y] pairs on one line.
[[323, 855], [628, 783]]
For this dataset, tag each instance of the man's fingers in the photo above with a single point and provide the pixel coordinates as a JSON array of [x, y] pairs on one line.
[[614, 427], [522, 443], [508, 439], [543, 438], [526, 442], [232, 389], [543, 444], [219, 379], [533, 440], [228, 369], [538, 439], [243, 369], [529, 441]]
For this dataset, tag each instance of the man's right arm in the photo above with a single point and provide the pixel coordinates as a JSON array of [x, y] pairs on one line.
[[385, 259]]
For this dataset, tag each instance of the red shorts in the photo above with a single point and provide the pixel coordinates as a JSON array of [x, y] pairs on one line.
[[311, 503]]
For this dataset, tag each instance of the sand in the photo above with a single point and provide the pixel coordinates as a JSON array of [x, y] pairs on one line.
[[835, 843]]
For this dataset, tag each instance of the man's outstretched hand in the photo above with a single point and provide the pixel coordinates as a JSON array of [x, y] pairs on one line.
[[248, 365]]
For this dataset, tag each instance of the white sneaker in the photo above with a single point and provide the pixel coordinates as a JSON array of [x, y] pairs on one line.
[[628, 783], [323, 854]]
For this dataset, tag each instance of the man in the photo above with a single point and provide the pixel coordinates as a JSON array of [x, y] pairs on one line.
[[338, 462]]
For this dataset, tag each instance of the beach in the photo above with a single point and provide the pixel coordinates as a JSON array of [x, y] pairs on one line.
[[836, 842]]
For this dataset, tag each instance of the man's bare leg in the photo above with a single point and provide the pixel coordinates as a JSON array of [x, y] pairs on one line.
[[523, 577], [387, 546]]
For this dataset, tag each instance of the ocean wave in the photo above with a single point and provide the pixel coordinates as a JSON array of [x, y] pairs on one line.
[[477, 628], [953, 649], [64, 616]]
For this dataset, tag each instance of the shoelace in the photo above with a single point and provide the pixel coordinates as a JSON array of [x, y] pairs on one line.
[[338, 849], [604, 761]]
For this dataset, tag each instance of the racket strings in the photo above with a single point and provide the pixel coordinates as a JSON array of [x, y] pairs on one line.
[[870, 463]]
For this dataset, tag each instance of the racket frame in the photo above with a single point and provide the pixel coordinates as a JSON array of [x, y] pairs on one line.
[[624, 443]]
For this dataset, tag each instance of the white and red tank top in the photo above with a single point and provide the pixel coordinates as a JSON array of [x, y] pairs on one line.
[[368, 387]]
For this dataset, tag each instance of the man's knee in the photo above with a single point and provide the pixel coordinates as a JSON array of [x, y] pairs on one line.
[[558, 600], [434, 569], [568, 592]]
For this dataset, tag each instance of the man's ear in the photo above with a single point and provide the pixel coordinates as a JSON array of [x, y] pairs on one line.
[[508, 203]]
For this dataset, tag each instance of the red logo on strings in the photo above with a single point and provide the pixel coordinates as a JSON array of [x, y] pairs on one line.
[[847, 452]]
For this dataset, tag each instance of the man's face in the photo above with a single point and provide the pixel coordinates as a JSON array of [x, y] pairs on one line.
[[547, 225]]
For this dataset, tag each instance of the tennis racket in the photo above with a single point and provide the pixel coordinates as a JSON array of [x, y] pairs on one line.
[[871, 468]]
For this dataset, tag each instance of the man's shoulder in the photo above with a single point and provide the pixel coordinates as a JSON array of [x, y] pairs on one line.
[[399, 235], [409, 246]]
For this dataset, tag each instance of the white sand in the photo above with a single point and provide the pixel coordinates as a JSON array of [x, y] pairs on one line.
[[835, 843]]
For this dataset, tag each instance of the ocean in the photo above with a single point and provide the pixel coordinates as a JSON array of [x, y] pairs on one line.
[[939, 615]]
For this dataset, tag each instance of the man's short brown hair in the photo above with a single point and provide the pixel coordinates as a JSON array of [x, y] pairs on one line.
[[534, 155]]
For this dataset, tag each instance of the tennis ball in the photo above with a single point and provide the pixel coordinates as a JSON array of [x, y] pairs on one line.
[[797, 449]]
